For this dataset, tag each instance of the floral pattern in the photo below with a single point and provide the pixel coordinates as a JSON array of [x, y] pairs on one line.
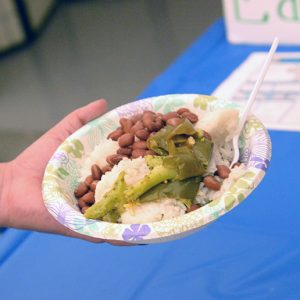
[[63, 173], [132, 108], [135, 232], [60, 157]]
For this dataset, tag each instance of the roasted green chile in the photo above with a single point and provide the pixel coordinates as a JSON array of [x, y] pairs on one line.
[[183, 190]]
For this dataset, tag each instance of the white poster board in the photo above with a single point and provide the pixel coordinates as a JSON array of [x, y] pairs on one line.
[[278, 101], [259, 21]]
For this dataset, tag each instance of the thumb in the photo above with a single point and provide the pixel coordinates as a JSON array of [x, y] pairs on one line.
[[78, 118]]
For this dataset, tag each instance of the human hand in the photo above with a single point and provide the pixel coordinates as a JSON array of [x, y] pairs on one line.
[[21, 202]]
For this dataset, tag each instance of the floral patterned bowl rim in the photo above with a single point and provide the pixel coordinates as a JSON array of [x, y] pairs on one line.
[[62, 173]]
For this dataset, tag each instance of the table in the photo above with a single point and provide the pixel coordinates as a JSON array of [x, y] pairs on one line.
[[253, 252]]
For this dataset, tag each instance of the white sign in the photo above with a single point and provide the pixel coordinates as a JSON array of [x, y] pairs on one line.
[[278, 101], [259, 21]]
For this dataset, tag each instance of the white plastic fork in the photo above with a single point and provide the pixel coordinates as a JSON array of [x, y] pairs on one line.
[[251, 100]]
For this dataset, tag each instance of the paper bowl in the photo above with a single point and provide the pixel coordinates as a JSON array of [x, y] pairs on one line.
[[62, 174]]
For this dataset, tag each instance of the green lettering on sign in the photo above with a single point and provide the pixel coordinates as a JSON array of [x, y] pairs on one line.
[[238, 16], [294, 10]]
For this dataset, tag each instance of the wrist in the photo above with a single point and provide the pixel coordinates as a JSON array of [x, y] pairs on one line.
[[5, 175]]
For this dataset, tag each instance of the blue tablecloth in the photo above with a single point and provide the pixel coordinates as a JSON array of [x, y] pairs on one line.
[[253, 252]]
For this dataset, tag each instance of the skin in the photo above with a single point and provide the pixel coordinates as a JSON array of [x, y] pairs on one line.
[[21, 202]]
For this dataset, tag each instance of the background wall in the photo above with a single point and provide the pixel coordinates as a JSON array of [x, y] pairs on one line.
[[92, 49]]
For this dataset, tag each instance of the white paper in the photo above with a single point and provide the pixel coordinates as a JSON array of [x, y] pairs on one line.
[[278, 101], [258, 21]]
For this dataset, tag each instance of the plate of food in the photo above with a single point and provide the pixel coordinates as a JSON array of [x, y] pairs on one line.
[[156, 169]]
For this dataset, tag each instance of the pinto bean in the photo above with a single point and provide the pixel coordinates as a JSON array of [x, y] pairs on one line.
[[139, 145], [106, 168], [193, 118], [81, 203], [174, 121], [150, 152], [93, 185], [124, 151], [126, 124], [223, 171], [158, 124], [137, 126], [115, 134], [114, 159], [170, 115], [81, 190], [192, 208], [182, 110], [149, 113], [138, 152], [211, 183], [84, 209], [136, 118], [96, 172], [237, 164], [148, 120], [206, 135], [142, 134], [88, 180], [88, 198], [153, 124], [126, 140]]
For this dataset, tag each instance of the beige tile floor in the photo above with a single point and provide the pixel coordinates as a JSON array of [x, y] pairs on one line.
[[93, 49]]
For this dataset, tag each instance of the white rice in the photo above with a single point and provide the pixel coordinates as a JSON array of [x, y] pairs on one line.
[[206, 195], [234, 175], [221, 125], [98, 156], [222, 155], [153, 211], [135, 170]]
